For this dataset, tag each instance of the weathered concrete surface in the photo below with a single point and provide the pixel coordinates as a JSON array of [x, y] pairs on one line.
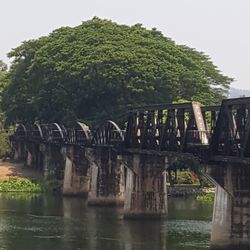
[[146, 190], [33, 155], [107, 178], [29, 159], [76, 172], [231, 218], [19, 151], [221, 225], [53, 161]]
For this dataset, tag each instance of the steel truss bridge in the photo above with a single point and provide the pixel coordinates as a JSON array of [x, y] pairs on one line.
[[211, 132]]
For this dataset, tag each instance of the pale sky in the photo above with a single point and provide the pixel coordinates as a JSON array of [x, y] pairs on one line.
[[220, 28]]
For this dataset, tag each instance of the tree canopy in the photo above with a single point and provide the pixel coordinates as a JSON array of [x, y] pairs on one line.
[[99, 67], [3, 83], [3, 75]]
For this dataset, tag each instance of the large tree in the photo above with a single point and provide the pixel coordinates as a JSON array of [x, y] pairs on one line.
[[3, 74], [99, 67], [3, 83]]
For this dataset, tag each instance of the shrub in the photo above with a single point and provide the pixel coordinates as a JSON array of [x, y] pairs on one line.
[[15, 184], [184, 177], [4, 143], [206, 197]]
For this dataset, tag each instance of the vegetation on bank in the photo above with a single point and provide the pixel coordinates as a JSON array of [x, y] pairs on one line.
[[187, 177], [5, 148], [206, 197], [17, 184], [186, 170]]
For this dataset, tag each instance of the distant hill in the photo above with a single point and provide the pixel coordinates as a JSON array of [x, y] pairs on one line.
[[234, 93]]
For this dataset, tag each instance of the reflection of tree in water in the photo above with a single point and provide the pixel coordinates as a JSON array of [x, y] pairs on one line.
[[19, 196], [189, 208]]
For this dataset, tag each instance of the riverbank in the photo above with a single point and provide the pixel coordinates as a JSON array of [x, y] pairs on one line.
[[17, 170], [15, 177], [18, 174], [187, 190]]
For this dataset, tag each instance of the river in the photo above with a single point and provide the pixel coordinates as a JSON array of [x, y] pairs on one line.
[[44, 222]]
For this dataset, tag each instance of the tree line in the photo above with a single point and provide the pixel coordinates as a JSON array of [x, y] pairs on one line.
[[94, 71]]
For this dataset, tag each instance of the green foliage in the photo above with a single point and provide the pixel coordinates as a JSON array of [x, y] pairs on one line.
[[206, 197], [204, 182], [3, 76], [99, 67], [186, 170], [15, 184], [4, 143], [186, 163], [186, 177], [19, 185], [3, 73]]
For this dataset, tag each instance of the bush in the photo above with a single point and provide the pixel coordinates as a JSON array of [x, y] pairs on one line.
[[206, 197], [4, 143], [185, 177], [15, 184]]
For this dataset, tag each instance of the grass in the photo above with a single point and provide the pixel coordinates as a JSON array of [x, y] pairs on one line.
[[16, 184], [206, 198]]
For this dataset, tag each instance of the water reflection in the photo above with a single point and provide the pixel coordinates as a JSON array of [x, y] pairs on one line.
[[48, 222]]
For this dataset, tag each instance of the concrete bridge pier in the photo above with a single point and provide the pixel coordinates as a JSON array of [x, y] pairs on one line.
[[33, 155], [231, 216], [146, 190], [107, 177], [76, 172], [19, 148], [53, 161]]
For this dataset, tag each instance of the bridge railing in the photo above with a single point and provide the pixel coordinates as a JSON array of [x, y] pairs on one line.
[[198, 137], [56, 133], [231, 136], [108, 134]]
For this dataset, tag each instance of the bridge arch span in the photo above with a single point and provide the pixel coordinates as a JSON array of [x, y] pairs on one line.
[[38, 131], [21, 131], [80, 134], [56, 133], [108, 134]]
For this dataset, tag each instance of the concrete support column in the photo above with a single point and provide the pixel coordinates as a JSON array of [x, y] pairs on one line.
[[107, 178], [19, 151], [231, 216], [76, 173], [46, 164], [146, 194], [34, 154], [16, 152], [221, 225], [53, 161], [29, 159]]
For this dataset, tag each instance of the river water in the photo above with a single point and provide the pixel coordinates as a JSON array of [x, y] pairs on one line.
[[44, 222]]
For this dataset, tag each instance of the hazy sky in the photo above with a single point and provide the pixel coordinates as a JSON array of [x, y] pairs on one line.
[[220, 28]]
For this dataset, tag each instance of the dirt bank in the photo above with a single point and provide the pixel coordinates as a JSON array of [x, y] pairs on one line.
[[9, 169]]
